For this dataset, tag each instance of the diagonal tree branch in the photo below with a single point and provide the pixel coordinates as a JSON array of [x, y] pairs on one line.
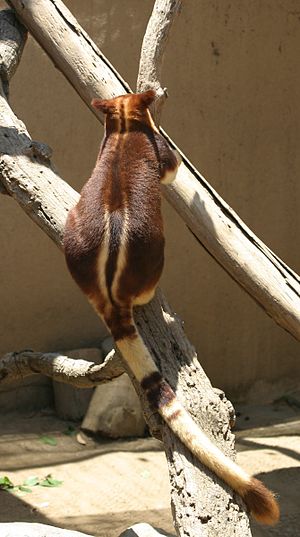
[[273, 285]]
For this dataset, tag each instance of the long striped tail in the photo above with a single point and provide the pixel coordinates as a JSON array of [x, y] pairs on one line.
[[259, 500]]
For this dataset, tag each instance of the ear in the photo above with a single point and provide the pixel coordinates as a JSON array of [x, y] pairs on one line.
[[104, 105], [147, 97]]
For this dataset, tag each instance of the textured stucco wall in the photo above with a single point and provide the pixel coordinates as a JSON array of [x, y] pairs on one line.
[[232, 70]]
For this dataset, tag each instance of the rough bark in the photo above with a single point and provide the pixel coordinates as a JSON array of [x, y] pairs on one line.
[[273, 285], [204, 506]]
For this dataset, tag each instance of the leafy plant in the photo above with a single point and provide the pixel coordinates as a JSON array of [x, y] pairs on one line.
[[6, 483], [33, 481], [22, 488]]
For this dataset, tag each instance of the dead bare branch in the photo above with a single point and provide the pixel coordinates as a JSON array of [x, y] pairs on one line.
[[153, 50], [79, 373]]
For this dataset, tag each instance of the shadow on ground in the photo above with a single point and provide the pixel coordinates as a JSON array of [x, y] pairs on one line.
[[22, 442], [110, 485], [286, 483], [111, 524]]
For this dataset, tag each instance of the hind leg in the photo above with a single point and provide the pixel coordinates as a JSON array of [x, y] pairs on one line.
[[144, 297]]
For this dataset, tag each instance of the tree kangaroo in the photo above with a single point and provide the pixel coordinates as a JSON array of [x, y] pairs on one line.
[[114, 248]]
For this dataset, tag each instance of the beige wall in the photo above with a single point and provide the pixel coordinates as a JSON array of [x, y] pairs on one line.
[[232, 70]]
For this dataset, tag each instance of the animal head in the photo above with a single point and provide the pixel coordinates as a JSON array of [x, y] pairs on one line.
[[126, 112]]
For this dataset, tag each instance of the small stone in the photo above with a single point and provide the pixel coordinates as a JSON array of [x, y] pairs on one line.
[[143, 530]]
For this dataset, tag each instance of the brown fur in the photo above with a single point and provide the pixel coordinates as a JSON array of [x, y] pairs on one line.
[[151, 380], [261, 502], [126, 178], [157, 390], [114, 248]]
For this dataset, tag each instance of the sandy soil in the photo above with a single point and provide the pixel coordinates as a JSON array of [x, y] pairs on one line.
[[108, 486]]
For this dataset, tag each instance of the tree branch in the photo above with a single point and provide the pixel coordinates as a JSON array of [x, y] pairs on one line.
[[272, 284], [13, 38], [150, 67], [153, 50], [79, 373]]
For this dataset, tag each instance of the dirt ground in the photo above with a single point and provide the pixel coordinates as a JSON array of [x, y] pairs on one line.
[[108, 486]]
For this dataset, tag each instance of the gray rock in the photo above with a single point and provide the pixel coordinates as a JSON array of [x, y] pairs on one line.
[[143, 530], [72, 403], [115, 410]]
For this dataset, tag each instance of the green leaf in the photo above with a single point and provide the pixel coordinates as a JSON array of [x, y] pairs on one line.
[[49, 481], [49, 440], [24, 489], [31, 481], [54, 483], [6, 483]]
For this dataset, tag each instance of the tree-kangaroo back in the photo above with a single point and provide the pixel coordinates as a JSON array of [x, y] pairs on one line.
[[114, 248]]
